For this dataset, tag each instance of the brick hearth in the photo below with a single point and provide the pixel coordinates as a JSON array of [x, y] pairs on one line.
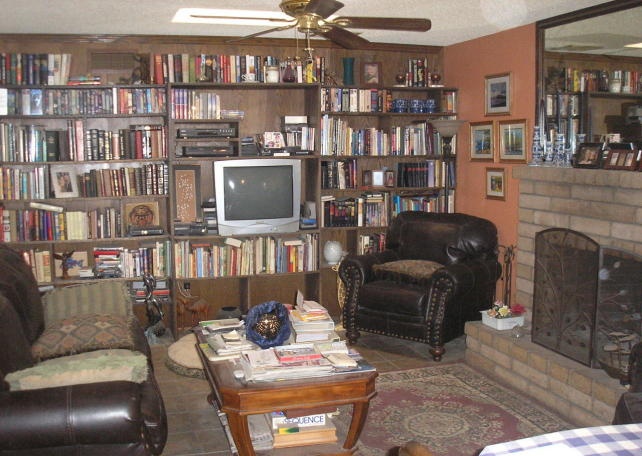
[[583, 396]]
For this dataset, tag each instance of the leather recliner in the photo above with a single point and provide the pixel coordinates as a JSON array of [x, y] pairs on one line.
[[99, 418], [437, 271]]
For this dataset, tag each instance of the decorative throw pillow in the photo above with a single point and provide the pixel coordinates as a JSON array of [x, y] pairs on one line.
[[93, 367], [417, 272], [83, 333]]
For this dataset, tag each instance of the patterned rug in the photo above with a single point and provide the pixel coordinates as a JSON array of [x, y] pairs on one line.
[[452, 409]]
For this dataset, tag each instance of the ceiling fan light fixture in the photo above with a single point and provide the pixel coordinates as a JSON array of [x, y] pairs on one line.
[[229, 17]]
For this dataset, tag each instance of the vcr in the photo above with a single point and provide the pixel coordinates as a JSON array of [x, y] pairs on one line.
[[216, 132]]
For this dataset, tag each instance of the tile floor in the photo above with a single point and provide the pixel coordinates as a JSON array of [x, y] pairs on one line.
[[194, 428]]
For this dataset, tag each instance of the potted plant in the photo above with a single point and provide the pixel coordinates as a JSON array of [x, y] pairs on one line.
[[500, 316]]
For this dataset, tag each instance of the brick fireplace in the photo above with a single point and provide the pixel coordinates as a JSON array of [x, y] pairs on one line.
[[605, 206]]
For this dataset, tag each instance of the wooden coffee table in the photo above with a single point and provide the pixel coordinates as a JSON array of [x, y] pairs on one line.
[[239, 399]]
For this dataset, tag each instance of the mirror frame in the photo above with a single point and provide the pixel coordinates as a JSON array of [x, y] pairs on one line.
[[574, 16]]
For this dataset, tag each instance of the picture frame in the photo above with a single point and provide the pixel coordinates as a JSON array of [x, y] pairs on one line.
[[482, 141], [512, 141], [496, 183], [142, 215], [498, 96], [588, 155], [74, 261], [64, 181], [621, 156], [187, 196], [390, 179], [371, 74]]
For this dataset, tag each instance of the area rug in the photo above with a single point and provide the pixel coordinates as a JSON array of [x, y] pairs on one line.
[[451, 409]]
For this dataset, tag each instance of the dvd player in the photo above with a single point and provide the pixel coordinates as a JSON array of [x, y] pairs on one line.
[[216, 132]]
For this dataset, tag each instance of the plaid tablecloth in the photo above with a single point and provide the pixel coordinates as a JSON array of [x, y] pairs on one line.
[[621, 440]]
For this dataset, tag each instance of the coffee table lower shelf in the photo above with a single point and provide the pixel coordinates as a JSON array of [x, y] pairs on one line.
[[237, 400]]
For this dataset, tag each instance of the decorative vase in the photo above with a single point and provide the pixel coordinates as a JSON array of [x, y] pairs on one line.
[[332, 252], [348, 71]]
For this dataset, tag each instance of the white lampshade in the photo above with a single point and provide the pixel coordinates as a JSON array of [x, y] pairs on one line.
[[447, 127]]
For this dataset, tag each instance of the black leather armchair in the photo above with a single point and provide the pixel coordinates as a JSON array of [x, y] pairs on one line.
[[438, 271]]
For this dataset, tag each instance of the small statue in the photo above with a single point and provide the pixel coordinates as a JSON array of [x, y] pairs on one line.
[[154, 308]]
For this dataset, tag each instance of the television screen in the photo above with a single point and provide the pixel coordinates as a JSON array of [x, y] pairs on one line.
[[258, 192], [256, 196]]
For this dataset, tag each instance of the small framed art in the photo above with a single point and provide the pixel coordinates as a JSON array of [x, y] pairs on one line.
[[142, 215], [495, 183], [372, 73], [621, 156], [588, 155], [498, 94], [482, 142], [64, 181], [512, 141], [187, 197]]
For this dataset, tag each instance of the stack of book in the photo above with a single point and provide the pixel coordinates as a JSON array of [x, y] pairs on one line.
[[265, 365], [225, 339], [302, 430], [311, 323]]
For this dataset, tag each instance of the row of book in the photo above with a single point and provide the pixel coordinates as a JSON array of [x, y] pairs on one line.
[[78, 101], [570, 79], [427, 174], [32, 68], [108, 262], [144, 179], [339, 174], [424, 203], [233, 257], [369, 209], [371, 243], [220, 68], [338, 138], [25, 225], [34, 143], [360, 100]]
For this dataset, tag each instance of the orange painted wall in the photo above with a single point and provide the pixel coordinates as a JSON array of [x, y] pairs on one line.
[[466, 65]]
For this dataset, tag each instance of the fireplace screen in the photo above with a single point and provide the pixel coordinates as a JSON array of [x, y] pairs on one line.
[[587, 300], [565, 292]]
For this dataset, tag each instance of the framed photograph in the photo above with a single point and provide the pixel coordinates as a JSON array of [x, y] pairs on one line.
[[68, 264], [621, 156], [498, 94], [187, 196], [482, 142], [372, 73], [512, 141], [64, 181], [495, 183], [390, 179], [588, 155], [142, 215]]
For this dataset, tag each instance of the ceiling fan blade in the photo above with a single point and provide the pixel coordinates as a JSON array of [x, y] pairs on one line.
[[345, 38], [264, 32], [323, 8], [385, 23]]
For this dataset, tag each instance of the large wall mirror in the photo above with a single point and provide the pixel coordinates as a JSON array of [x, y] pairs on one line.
[[588, 73]]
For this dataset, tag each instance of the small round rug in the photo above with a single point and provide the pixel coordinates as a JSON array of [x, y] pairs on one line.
[[183, 359]]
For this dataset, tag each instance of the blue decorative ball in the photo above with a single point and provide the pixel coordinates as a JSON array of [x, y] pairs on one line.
[[267, 324]]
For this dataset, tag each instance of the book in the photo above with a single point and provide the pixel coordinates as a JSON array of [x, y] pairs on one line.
[[281, 420], [311, 435], [296, 352]]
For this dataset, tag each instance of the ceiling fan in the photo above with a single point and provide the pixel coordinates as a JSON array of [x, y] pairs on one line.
[[312, 17]]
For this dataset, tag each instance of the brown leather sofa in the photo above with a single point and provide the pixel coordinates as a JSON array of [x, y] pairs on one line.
[[102, 417], [438, 271]]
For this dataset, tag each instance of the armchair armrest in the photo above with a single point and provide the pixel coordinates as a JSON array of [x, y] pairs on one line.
[[359, 267], [95, 413]]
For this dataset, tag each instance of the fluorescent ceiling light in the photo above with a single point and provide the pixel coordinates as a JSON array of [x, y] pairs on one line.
[[229, 17], [634, 45]]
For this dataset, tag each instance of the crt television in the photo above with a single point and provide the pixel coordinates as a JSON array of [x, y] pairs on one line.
[[255, 196]]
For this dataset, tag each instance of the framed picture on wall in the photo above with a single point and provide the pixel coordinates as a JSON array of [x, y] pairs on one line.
[[498, 94], [512, 141], [495, 183], [482, 142], [187, 197], [372, 73]]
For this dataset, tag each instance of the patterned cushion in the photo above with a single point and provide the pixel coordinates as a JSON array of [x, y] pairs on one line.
[[83, 333], [417, 272], [94, 367]]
